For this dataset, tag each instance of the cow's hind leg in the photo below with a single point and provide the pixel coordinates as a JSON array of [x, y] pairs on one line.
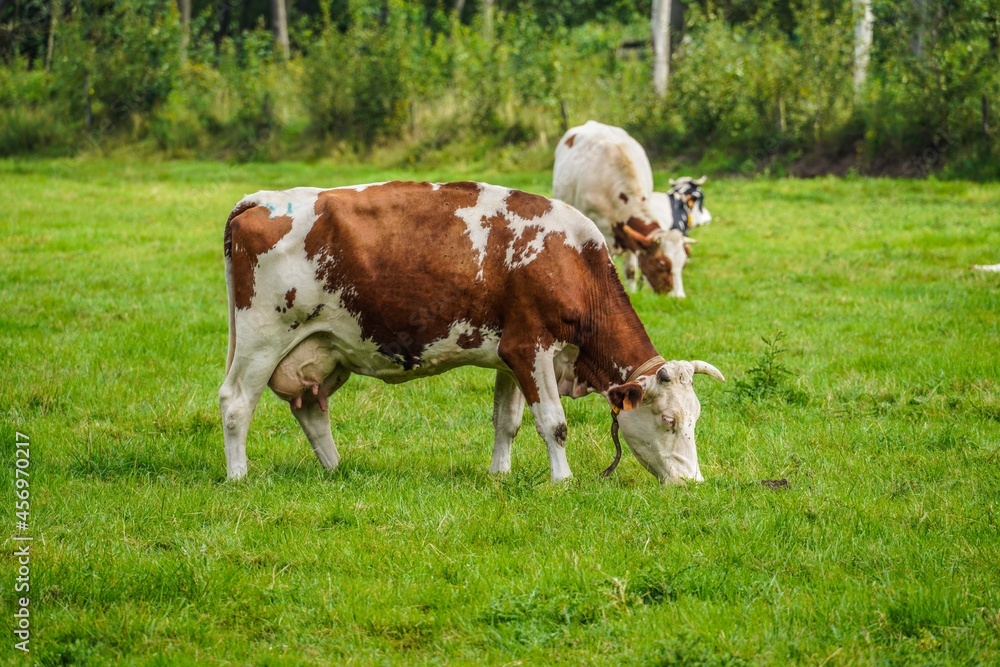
[[536, 374], [312, 414], [238, 398], [508, 408]]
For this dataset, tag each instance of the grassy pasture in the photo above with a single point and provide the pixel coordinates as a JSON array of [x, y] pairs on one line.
[[883, 548]]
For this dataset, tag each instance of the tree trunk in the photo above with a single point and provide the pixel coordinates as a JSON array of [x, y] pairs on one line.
[[280, 17], [661, 46], [488, 20], [185, 8], [55, 9], [459, 8], [863, 30]]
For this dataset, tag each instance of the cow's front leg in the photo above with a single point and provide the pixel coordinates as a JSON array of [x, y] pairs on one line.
[[508, 409], [314, 417], [536, 375], [632, 272]]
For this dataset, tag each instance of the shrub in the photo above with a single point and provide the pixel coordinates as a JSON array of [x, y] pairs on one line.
[[355, 86], [769, 378]]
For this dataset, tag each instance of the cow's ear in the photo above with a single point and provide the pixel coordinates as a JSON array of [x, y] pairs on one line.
[[625, 396]]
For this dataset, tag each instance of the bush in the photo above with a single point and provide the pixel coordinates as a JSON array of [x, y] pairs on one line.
[[769, 378], [355, 86], [31, 118]]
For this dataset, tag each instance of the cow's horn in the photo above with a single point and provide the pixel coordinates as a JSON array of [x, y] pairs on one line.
[[637, 237], [673, 181], [688, 240], [708, 369], [701, 181]]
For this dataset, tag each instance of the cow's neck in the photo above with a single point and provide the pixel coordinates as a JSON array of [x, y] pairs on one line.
[[614, 342]]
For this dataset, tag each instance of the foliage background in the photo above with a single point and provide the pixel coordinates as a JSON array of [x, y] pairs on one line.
[[756, 85]]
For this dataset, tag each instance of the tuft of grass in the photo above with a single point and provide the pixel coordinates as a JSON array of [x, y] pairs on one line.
[[769, 378]]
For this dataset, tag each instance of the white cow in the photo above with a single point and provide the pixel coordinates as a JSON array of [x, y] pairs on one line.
[[605, 173]]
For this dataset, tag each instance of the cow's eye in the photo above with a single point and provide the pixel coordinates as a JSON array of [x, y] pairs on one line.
[[668, 421]]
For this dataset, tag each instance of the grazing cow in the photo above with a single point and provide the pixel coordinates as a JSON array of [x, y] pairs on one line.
[[688, 191], [405, 280], [605, 173]]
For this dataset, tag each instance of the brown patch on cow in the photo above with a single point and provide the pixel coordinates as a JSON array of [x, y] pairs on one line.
[[561, 434], [395, 279], [289, 298], [569, 141], [294, 325], [623, 197], [658, 270], [227, 237], [471, 340], [404, 266], [528, 206], [249, 234]]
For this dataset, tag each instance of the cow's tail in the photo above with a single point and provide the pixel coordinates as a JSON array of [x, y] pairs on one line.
[[227, 243]]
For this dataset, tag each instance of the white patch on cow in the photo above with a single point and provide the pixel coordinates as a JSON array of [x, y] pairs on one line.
[[490, 203], [578, 231], [289, 203], [699, 216], [623, 371], [986, 267], [361, 188], [446, 353]]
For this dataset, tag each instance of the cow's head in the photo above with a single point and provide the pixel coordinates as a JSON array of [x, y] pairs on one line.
[[662, 256], [657, 414], [644, 240], [689, 191]]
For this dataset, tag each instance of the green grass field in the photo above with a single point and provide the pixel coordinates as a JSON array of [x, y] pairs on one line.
[[883, 548]]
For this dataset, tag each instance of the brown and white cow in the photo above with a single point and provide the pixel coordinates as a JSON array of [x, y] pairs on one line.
[[404, 280], [605, 173]]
